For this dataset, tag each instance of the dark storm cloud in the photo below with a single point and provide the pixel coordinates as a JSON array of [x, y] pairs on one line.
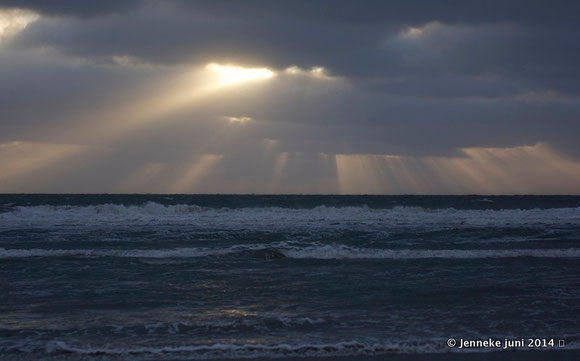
[[469, 48], [417, 11], [73, 7]]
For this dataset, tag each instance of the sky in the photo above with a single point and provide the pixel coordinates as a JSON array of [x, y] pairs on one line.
[[301, 96]]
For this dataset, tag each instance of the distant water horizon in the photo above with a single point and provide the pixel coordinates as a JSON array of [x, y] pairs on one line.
[[186, 277]]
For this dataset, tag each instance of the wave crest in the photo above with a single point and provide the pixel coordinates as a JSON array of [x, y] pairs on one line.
[[332, 251], [235, 351], [322, 216]]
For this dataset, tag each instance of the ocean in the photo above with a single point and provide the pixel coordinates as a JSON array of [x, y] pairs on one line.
[[187, 277]]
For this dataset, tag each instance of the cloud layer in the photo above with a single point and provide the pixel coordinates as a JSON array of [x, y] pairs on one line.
[[418, 80]]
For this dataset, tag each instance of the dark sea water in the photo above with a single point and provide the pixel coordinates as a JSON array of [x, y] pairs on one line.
[[159, 277]]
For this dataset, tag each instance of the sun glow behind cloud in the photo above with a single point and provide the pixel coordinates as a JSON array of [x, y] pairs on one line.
[[412, 32], [14, 20], [231, 74]]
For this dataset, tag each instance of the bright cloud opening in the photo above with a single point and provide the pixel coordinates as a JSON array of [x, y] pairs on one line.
[[230, 74], [412, 32], [14, 20]]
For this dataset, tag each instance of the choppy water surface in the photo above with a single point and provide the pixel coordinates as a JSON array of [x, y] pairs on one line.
[[191, 277]]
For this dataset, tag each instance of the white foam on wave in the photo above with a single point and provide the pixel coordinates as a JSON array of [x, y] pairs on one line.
[[187, 252], [275, 217], [235, 351], [161, 253], [250, 351], [243, 351], [192, 328], [320, 251]]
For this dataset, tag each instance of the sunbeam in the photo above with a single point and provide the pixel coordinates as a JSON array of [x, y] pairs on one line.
[[482, 170], [159, 101], [21, 159], [194, 174], [142, 178]]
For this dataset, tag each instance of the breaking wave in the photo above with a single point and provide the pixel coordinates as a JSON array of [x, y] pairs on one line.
[[203, 327], [155, 213], [235, 351], [247, 351]]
